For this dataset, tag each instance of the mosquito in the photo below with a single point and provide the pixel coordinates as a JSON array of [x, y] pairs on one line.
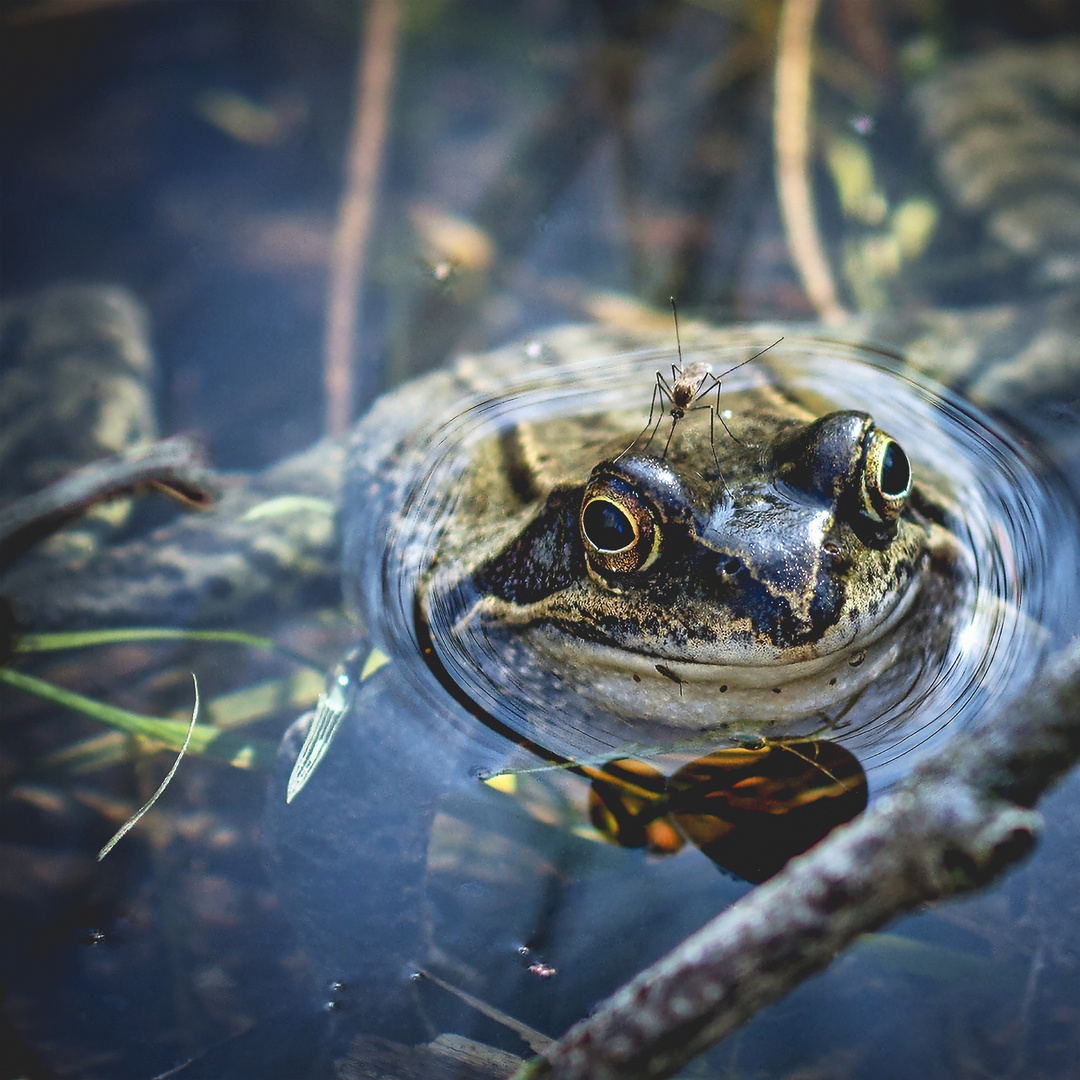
[[688, 384]]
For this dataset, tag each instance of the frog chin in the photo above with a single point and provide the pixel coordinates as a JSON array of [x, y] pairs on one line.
[[799, 698]]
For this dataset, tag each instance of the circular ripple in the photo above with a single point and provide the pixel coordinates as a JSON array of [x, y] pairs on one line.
[[1015, 581]]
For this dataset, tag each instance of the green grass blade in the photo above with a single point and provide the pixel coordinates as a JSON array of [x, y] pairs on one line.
[[206, 740], [84, 639]]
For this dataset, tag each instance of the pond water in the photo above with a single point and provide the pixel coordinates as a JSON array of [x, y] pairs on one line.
[[546, 162]]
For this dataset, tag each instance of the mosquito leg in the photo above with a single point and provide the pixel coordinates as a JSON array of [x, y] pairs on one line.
[[648, 423], [662, 388], [712, 441], [731, 434], [712, 444], [674, 421]]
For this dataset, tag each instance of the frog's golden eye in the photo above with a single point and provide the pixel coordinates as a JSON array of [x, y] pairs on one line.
[[617, 527], [886, 477]]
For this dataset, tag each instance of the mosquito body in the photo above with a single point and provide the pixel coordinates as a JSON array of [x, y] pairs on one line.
[[689, 383], [686, 385]]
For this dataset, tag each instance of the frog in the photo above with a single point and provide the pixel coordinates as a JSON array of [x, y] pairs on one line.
[[533, 591], [777, 566]]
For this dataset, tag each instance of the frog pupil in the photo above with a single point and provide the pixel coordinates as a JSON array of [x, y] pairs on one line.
[[606, 526], [895, 471]]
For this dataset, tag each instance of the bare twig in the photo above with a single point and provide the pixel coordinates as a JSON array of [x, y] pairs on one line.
[[532, 1038], [201, 572], [953, 826], [374, 79], [791, 135]]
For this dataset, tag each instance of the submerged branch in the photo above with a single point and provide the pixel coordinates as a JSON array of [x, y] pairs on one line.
[[174, 467], [953, 826], [268, 547]]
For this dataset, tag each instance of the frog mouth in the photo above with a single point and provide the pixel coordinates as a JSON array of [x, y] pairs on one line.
[[692, 646], [572, 742], [565, 697], [753, 683]]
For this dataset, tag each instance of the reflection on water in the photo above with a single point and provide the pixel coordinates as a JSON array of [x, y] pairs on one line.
[[750, 809]]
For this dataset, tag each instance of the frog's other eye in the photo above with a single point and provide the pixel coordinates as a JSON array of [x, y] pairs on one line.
[[618, 528], [885, 481], [846, 459]]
